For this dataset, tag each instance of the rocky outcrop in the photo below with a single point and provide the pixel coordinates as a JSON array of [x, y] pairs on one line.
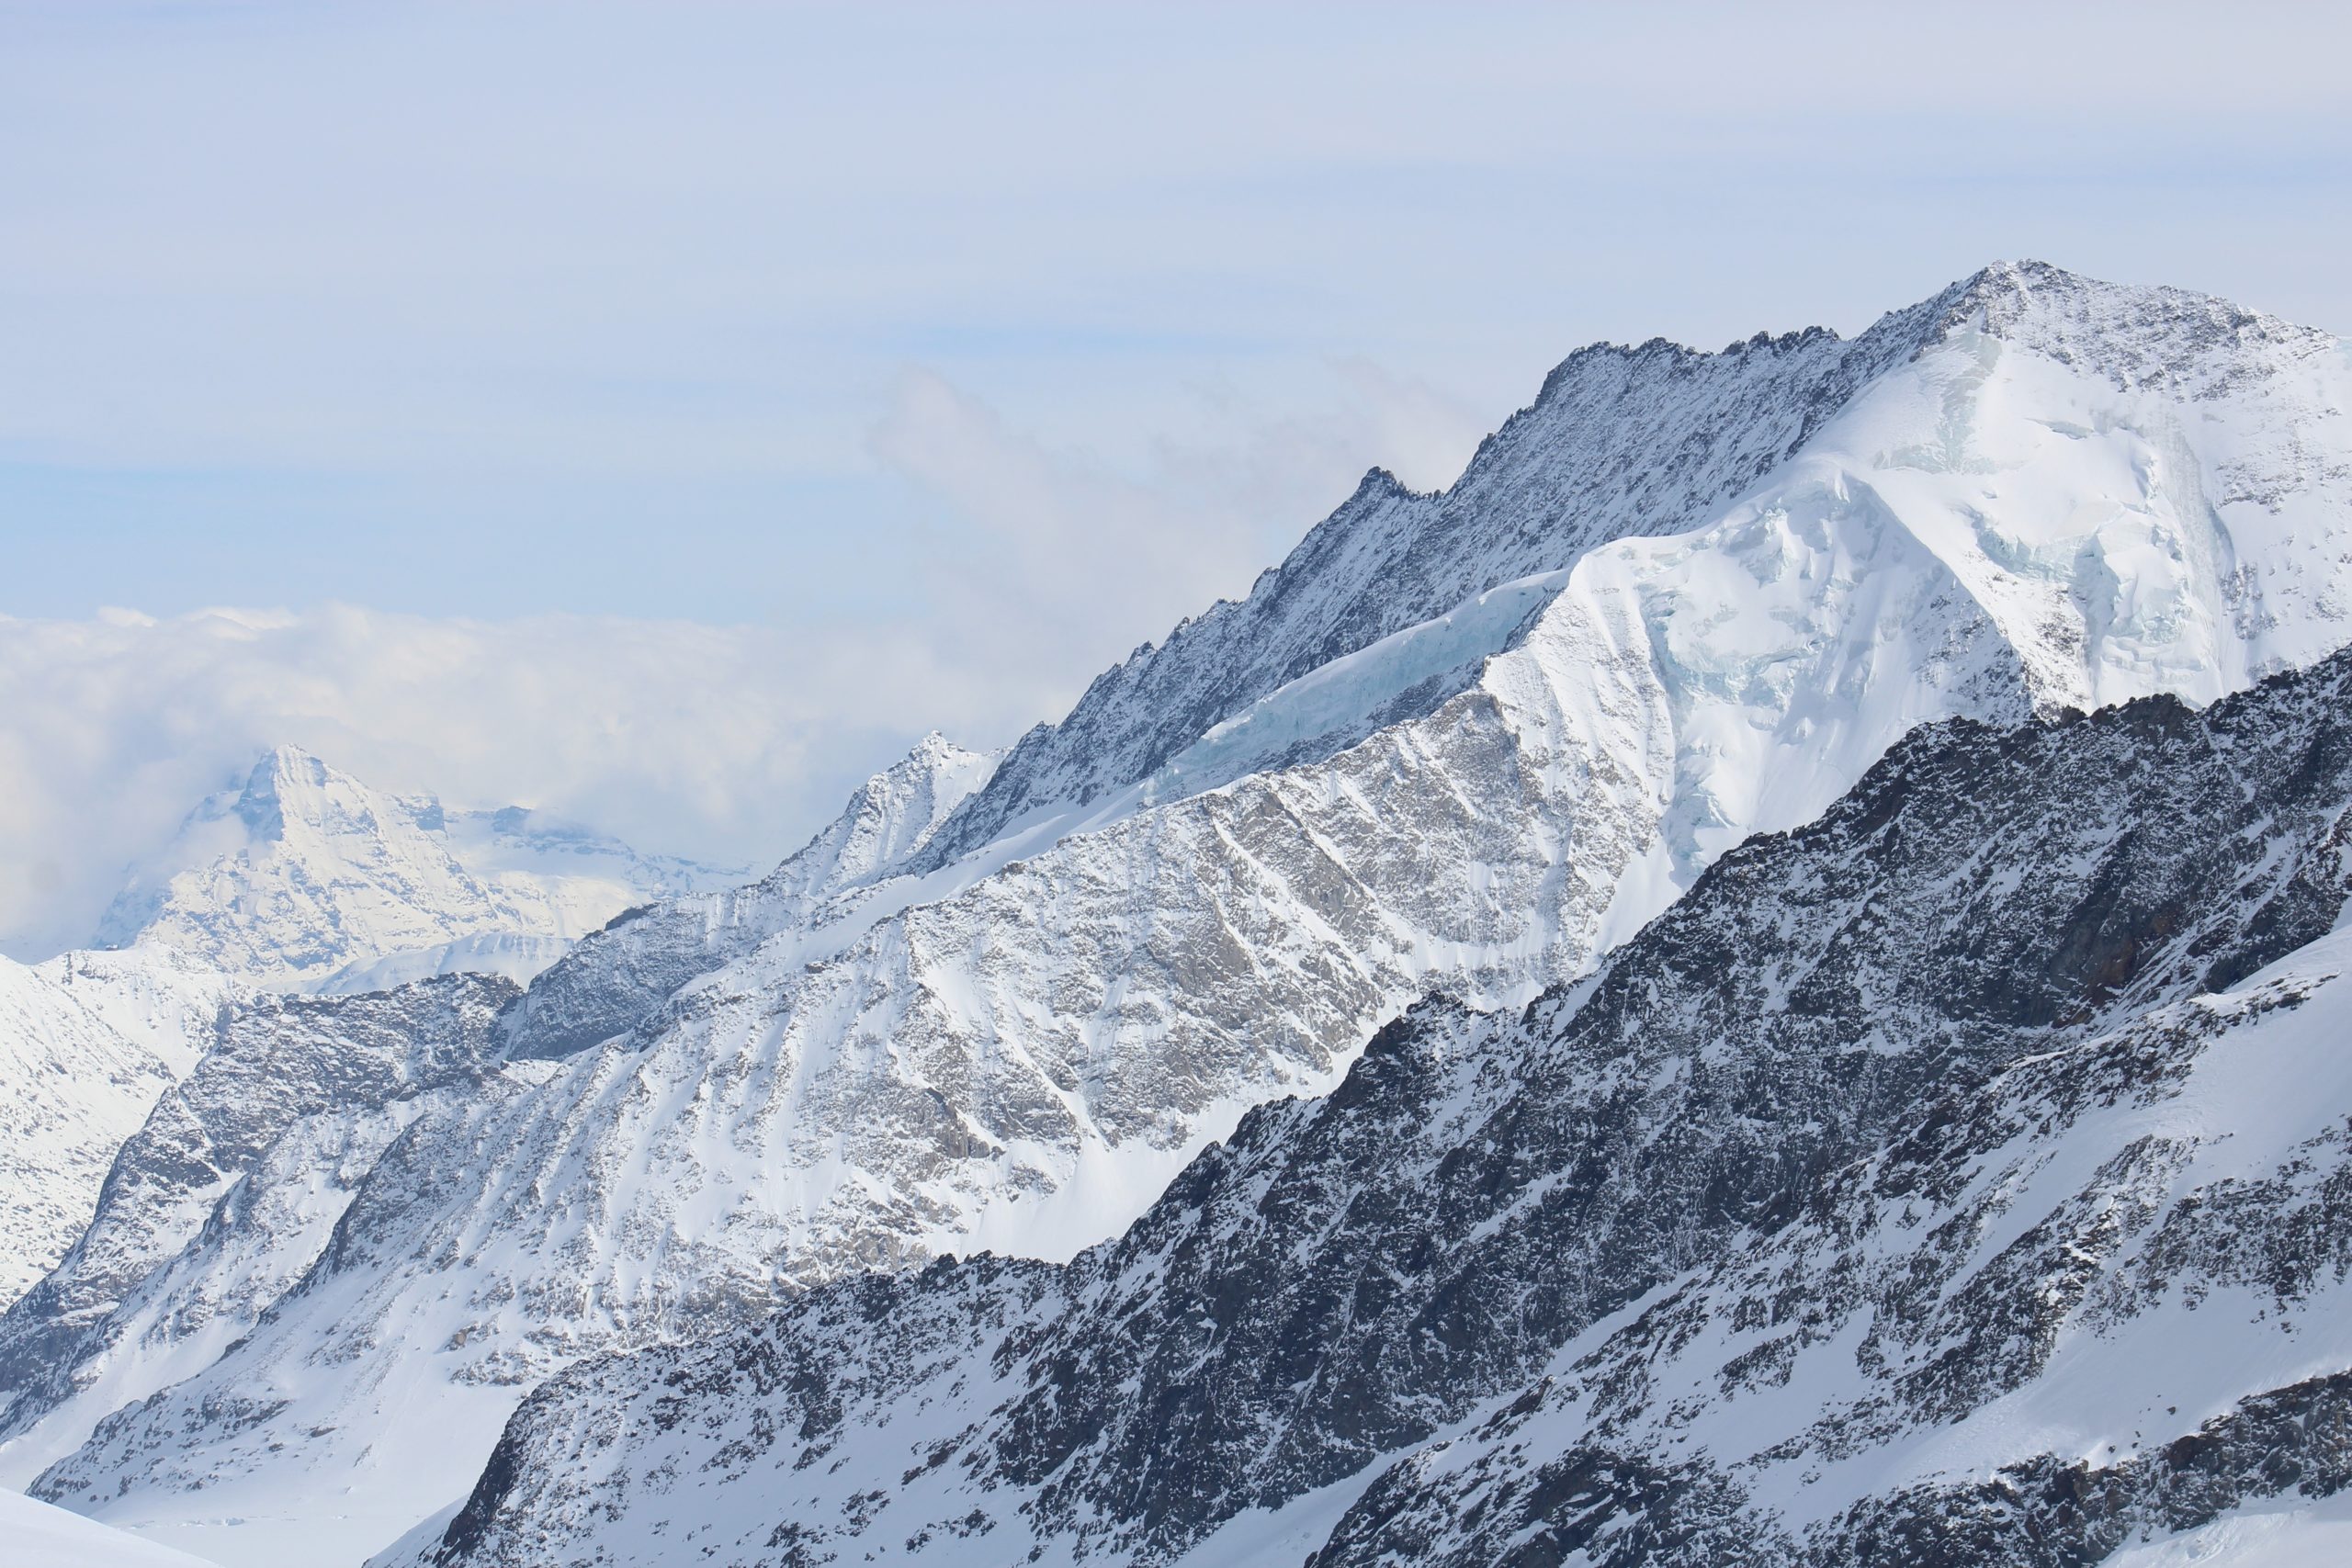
[[1726, 1255]]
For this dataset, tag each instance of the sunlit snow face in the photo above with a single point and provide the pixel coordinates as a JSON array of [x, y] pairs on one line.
[[2109, 528], [1982, 530]]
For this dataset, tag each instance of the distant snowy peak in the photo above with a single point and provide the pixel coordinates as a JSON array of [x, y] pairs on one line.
[[306, 878]]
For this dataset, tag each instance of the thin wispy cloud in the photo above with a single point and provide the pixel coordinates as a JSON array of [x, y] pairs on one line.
[[1045, 551]]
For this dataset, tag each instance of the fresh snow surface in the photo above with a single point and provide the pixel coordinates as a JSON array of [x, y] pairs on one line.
[[37, 1535], [517, 956], [2276, 1533], [1477, 738], [88, 1041]]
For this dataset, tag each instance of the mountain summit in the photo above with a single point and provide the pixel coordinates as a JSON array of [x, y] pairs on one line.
[[304, 878], [2205, 405]]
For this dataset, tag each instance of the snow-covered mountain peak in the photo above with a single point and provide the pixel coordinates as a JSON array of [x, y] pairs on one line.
[[2062, 493], [1461, 742], [290, 789], [622, 974], [305, 877], [889, 818], [260, 804], [2132, 335], [1651, 440]]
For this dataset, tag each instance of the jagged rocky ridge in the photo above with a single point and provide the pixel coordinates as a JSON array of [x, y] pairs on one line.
[[304, 878], [88, 1041], [232, 1187], [1623, 441], [2031, 492], [1794, 1235]]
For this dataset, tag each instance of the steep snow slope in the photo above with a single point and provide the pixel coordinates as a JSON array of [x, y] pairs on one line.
[[2271, 1533], [229, 1192], [305, 878], [2030, 491], [1860, 1210], [87, 1043]]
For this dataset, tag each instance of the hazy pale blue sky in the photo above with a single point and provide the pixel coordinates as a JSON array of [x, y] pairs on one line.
[[557, 307], [945, 354]]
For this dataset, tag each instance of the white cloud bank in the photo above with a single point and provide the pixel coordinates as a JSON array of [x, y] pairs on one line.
[[700, 739], [1057, 561], [728, 743]]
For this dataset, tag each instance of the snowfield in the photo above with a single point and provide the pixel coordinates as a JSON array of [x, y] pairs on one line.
[[39, 1536]]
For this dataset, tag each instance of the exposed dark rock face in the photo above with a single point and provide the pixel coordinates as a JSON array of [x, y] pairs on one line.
[[1610, 1510], [2295, 1440], [1894, 1110], [2017, 1222]]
